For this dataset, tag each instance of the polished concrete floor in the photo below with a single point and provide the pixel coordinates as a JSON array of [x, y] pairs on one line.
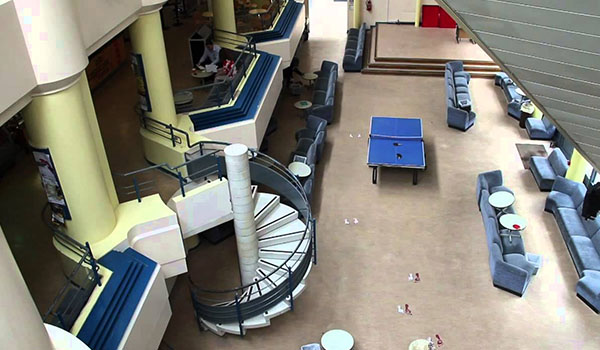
[[433, 228]]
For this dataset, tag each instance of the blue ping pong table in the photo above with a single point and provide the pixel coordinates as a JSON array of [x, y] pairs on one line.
[[398, 143]]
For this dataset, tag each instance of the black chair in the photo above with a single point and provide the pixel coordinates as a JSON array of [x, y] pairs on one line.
[[314, 124], [306, 152]]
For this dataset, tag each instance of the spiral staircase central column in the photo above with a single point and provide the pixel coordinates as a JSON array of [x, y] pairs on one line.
[[238, 175]]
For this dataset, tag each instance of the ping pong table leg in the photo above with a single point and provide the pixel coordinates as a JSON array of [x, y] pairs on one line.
[[415, 177], [375, 174]]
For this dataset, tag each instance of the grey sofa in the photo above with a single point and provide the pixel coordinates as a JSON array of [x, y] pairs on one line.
[[540, 129], [509, 267], [582, 237], [458, 98], [355, 43], [510, 92], [324, 92], [545, 170]]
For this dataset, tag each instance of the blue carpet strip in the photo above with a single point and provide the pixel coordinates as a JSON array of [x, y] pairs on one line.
[[248, 101], [106, 324], [285, 25]]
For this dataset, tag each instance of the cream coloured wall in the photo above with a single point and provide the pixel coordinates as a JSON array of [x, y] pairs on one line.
[[16, 73], [390, 10]]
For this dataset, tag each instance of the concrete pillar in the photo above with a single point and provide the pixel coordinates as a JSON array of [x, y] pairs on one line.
[[418, 7], [238, 175], [147, 40], [224, 15], [576, 171], [358, 4], [21, 326], [59, 122], [100, 150]]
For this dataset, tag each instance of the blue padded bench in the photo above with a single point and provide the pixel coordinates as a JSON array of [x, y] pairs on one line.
[[458, 98], [581, 236], [323, 99], [510, 269], [355, 45], [510, 92]]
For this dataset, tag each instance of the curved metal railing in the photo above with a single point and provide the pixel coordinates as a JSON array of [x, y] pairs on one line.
[[239, 303]]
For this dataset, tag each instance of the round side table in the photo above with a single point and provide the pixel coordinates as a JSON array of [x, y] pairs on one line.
[[183, 97], [299, 169], [304, 104], [419, 344], [310, 77], [513, 222], [337, 339], [501, 200], [201, 74]]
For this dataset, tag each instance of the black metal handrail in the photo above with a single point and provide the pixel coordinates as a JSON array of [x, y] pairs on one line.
[[80, 282], [244, 300]]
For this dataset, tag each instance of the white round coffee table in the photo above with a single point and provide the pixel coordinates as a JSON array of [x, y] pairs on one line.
[[337, 339], [183, 98], [501, 200], [419, 344], [310, 77], [513, 222], [299, 169], [303, 104]]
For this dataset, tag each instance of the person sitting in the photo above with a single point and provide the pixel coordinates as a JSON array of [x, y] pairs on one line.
[[288, 73], [211, 55]]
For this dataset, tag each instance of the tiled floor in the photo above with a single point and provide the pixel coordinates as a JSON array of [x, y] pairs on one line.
[[433, 228]]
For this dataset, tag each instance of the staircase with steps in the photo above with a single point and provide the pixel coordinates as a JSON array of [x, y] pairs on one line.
[[285, 258], [114, 313], [375, 64], [284, 26]]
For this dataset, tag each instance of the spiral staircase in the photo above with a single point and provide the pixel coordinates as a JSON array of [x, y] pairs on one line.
[[282, 240], [286, 242]]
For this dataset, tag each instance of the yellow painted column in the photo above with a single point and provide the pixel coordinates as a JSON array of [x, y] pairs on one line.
[[418, 7], [147, 39], [358, 13], [100, 151], [576, 171], [537, 113], [59, 122], [224, 15]]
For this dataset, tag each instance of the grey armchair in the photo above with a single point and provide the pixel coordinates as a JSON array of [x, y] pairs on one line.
[[540, 129], [492, 181], [306, 150], [545, 170], [314, 125]]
